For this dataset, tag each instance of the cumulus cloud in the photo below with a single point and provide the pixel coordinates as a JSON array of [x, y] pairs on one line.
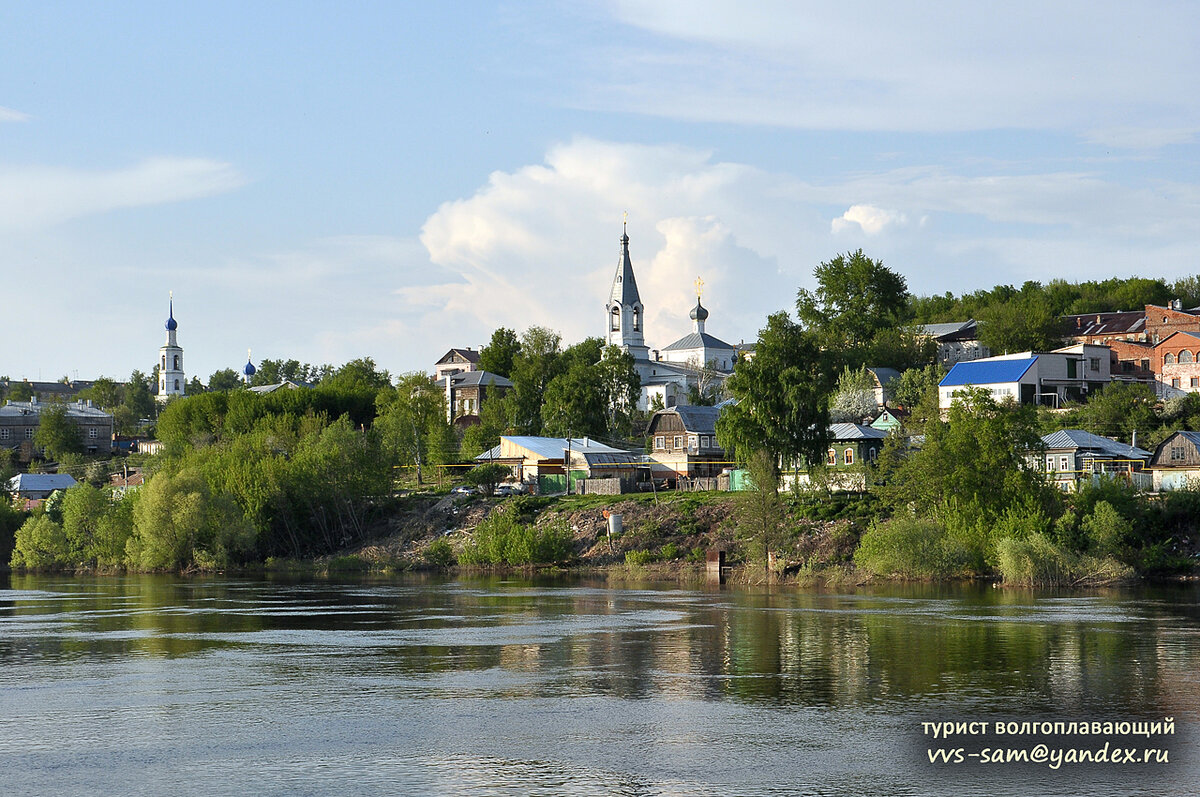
[[38, 196], [871, 220]]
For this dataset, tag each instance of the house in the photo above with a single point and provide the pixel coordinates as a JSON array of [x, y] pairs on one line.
[[538, 461], [1131, 361], [1052, 378], [127, 480], [19, 421], [882, 379], [684, 443], [1176, 462], [466, 392], [1162, 322], [1072, 456], [1176, 364], [851, 447], [956, 341], [456, 361], [63, 390], [889, 419], [1104, 328], [36, 486]]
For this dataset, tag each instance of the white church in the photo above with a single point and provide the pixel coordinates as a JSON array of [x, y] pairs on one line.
[[697, 361]]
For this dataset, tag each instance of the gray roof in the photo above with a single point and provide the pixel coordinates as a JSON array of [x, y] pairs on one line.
[[884, 375], [939, 330], [695, 418], [550, 447], [624, 289], [1079, 439], [40, 482], [474, 378], [78, 409], [470, 355], [288, 383], [855, 431], [695, 340]]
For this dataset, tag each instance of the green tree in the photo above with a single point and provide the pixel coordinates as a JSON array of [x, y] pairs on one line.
[[760, 519], [180, 522], [487, 476], [20, 391], [538, 362], [856, 308], [104, 393], [411, 417], [225, 379], [501, 352], [574, 404], [195, 387], [359, 374], [916, 384], [620, 385], [56, 434], [83, 510], [493, 422], [1024, 323], [138, 396], [40, 545], [782, 397]]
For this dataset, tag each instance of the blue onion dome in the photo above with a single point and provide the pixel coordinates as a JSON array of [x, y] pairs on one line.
[[698, 312], [172, 324], [248, 369]]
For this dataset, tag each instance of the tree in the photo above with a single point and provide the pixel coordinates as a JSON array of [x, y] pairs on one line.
[[138, 397], [760, 521], [917, 383], [359, 374], [1024, 323], [857, 303], [56, 435], [104, 393], [20, 391], [574, 404], [195, 387], [620, 385], [225, 379], [487, 476], [782, 397], [409, 417], [855, 396], [537, 363], [180, 522], [498, 356]]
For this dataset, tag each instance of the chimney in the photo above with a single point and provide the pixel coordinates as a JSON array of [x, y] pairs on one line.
[[1134, 443]]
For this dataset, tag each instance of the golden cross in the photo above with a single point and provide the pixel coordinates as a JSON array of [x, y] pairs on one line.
[[699, 287]]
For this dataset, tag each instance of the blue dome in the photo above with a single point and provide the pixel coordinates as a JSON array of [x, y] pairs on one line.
[[248, 369], [172, 324]]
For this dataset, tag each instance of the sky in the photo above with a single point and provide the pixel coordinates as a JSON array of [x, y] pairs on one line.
[[325, 181]]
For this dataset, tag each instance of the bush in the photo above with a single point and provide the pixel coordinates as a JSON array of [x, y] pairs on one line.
[[1039, 562], [639, 557], [502, 539], [41, 544], [439, 553], [669, 551], [911, 547]]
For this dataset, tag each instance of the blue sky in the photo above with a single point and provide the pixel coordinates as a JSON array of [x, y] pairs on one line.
[[326, 181]]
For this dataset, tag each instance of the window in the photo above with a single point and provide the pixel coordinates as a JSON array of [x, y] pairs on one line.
[[849, 455], [164, 362], [1094, 363], [637, 319], [1050, 464], [872, 454], [1195, 382], [678, 442], [1185, 356], [176, 362], [1175, 382], [1168, 359], [1177, 453], [1064, 463], [92, 434], [616, 320], [3, 434], [28, 434], [177, 384], [704, 441], [831, 457], [692, 441], [660, 442]]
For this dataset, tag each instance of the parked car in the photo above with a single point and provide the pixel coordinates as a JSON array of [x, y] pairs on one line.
[[463, 489]]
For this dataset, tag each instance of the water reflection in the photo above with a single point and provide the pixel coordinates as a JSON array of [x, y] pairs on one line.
[[448, 684]]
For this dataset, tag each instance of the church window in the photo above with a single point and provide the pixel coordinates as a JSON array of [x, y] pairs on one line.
[[176, 362], [177, 384], [637, 319], [164, 362], [616, 320], [1185, 356], [1168, 359]]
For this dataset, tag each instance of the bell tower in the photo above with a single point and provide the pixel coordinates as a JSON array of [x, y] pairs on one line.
[[171, 381], [626, 315]]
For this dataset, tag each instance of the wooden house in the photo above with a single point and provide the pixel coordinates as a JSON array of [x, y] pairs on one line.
[[683, 443], [1176, 462]]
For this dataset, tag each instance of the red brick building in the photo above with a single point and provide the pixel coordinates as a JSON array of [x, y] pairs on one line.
[[1176, 362], [1162, 322]]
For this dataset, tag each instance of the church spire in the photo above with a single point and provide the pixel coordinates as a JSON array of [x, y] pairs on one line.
[[624, 307]]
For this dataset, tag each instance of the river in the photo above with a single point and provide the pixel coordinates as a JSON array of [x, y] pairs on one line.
[[505, 686]]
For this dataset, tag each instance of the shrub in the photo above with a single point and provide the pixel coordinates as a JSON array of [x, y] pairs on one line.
[[502, 539], [1039, 562], [639, 557], [41, 544], [1104, 529], [669, 551], [439, 553], [911, 547]]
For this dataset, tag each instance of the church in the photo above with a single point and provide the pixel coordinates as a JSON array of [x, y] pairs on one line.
[[697, 363]]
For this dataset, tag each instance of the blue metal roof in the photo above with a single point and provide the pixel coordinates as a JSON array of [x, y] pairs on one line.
[[987, 372]]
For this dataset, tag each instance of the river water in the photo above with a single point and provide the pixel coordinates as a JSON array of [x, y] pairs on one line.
[[503, 686]]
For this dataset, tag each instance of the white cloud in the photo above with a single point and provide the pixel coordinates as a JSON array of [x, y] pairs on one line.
[[871, 220], [9, 115], [38, 196], [883, 66]]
